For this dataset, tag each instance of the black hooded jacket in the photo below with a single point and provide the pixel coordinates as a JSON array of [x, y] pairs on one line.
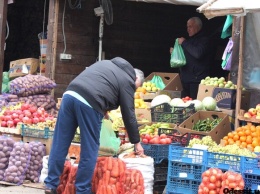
[[198, 56], [108, 84]]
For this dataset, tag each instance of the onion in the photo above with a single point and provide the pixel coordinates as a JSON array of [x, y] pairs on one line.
[[209, 103]]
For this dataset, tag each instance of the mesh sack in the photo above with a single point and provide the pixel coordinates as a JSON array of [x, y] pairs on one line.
[[6, 146], [19, 162], [64, 177], [37, 152], [31, 85]]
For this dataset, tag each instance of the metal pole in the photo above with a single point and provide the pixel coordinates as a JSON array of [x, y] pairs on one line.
[[101, 29]]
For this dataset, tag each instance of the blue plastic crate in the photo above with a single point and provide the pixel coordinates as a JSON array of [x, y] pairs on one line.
[[251, 181], [224, 161], [182, 186], [251, 165], [38, 133], [187, 171], [158, 152], [187, 155]]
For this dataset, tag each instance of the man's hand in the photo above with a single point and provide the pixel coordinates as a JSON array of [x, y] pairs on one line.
[[139, 149], [171, 49], [180, 40]]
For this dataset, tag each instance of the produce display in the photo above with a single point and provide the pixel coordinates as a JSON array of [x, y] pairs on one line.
[[150, 86], [153, 128], [218, 82], [214, 181], [253, 113], [140, 103], [245, 137], [206, 124]]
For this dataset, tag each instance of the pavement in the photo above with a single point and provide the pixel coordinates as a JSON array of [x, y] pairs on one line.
[[4, 189]]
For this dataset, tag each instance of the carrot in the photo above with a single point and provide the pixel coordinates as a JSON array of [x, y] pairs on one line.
[[113, 189], [99, 173], [112, 180], [133, 186], [118, 187], [115, 170], [101, 158], [108, 189], [109, 163], [121, 166], [133, 172], [107, 177]]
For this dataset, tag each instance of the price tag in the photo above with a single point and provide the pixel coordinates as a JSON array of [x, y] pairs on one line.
[[183, 175]]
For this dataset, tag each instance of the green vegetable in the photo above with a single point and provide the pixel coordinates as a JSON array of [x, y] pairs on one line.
[[206, 124]]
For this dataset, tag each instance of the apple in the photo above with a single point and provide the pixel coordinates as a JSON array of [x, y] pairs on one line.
[[257, 107], [247, 115], [252, 111]]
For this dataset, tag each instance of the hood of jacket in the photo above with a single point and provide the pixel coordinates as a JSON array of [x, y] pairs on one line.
[[125, 66]]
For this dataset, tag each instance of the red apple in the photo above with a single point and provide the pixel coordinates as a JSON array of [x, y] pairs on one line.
[[247, 115], [252, 111]]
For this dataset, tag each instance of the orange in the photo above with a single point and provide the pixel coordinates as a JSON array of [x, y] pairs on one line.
[[235, 137], [249, 140], [248, 132], [137, 95], [241, 133], [239, 129], [243, 145], [242, 138], [250, 147], [230, 135], [238, 142], [231, 141], [225, 138], [254, 143], [253, 129]]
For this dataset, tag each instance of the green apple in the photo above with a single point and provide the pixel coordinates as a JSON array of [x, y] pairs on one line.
[[230, 82], [207, 78], [215, 84], [202, 81], [221, 85]]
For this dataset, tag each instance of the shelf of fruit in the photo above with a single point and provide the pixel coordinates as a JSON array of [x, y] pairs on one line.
[[251, 115], [12, 117], [218, 82]]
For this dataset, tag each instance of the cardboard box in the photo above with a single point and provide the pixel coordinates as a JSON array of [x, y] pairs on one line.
[[23, 67], [46, 142], [172, 81], [232, 115], [226, 98], [222, 129], [15, 137], [74, 151]]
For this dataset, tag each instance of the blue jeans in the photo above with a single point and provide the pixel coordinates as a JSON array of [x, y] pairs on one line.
[[74, 113]]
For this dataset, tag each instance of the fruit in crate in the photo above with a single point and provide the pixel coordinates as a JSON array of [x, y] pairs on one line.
[[218, 82], [156, 139], [153, 129], [150, 86], [253, 112], [140, 103]]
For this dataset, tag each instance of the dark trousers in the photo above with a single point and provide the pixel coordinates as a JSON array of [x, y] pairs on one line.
[[74, 113], [190, 89]]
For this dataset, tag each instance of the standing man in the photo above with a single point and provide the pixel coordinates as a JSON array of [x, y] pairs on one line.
[[102, 87], [197, 53]]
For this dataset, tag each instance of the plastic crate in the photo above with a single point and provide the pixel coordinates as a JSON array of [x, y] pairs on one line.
[[166, 113], [158, 152], [186, 171], [251, 165], [224, 161], [181, 186], [187, 155], [160, 171], [252, 182], [39, 133]]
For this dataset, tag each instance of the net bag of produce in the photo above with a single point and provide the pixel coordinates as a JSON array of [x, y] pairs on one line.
[[232, 180], [19, 162], [177, 57], [70, 186], [34, 170], [211, 181], [143, 163], [107, 172], [31, 85], [6, 146], [64, 177], [133, 182]]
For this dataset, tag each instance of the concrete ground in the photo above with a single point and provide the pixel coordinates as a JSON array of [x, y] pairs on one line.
[[19, 190]]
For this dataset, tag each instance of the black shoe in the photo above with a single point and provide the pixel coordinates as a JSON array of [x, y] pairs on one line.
[[50, 191]]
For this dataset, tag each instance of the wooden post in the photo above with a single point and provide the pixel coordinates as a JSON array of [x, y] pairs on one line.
[[240, 70], [3, 16]]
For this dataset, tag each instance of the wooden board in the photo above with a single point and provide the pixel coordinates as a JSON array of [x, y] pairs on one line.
[[34, 185], [6, 183]]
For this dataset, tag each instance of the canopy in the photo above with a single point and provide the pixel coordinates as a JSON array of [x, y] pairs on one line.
[[177, 2], [215, 8]]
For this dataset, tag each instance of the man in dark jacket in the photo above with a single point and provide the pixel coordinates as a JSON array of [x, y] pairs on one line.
[[197, 53], [102, 87]]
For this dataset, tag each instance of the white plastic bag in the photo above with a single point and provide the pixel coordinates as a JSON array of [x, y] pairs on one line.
[[146, 166]]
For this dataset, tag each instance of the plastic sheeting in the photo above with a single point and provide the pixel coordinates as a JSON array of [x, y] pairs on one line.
[[251, 66], [177, 2]]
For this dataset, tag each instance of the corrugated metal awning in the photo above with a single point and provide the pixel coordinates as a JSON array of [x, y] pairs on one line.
[[215, 8]]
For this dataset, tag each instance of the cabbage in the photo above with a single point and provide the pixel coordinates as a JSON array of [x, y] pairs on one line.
[[209, 103], [197, 104], [160, 99], [176, 101]]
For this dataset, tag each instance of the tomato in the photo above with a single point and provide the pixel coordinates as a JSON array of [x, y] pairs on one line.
[[148, 137], [10, 123], [211, 186], [156, 140], [162, 141], [2, 117], [3, 124], [213, 192], [205, 180], [15, 115], [168, 140], [8, 118], [163, 136], [36, 120], [212, 179], [33, 109], [25, 106]]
